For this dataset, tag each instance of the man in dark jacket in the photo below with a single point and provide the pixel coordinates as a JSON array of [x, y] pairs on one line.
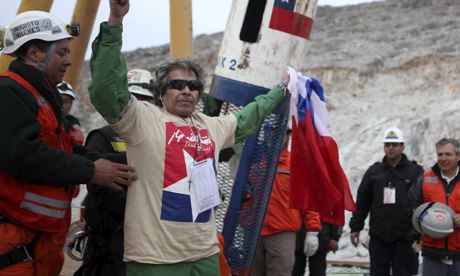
[[104, 207], [383, 192], [38, 171]]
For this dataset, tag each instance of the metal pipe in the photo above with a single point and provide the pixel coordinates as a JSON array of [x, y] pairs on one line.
[[181, 28], [85, 13]]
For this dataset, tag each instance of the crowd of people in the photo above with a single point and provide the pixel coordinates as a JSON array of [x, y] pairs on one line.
[[153, 126]]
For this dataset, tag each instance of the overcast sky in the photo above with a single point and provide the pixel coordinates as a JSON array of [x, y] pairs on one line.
[[147, 23]]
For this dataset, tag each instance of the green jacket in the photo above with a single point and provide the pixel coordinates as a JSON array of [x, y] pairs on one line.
[[109, 88]]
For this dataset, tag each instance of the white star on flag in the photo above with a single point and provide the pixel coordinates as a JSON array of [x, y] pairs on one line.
[[185, 185]]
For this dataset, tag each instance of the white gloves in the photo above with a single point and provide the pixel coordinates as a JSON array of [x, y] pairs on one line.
[[311, 244]]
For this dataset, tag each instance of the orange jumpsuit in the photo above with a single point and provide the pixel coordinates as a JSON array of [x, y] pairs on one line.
[[279, 216]]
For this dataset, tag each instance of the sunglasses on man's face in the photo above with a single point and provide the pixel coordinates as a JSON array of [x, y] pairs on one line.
[[394, 145], [193, 85]]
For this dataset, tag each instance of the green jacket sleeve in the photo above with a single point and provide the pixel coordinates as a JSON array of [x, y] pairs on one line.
[[252, 115], [108, 89]]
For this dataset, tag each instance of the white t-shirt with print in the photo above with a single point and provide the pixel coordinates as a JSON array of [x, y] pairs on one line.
[[161, 223]]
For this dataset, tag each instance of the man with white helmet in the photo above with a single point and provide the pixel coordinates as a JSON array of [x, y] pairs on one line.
[[441, 255], [71, 122], [382, 193], [68, 97], [37, 170]]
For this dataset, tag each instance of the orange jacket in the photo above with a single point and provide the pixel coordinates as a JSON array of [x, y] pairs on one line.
[[39, 206], [78, 138], [48, 253], [279, 217], [223, 265], [433, 190], [77, 135]]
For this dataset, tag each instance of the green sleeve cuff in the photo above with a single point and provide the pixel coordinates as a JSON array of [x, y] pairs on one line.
[[252, 115], [111, 33]]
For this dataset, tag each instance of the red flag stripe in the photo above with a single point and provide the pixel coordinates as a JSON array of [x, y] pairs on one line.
[[291, 22]]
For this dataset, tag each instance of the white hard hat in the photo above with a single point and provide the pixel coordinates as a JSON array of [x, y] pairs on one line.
[[32, 25], [139, 82], [433, 219], [393, 135], [66, 89]]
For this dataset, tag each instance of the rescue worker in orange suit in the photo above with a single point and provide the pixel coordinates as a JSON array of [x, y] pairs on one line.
[[71, 122], [441, 184], [40, 163], [68, 97], [275, 253]]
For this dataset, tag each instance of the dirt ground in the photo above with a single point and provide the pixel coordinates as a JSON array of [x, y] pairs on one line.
[[70, 266]]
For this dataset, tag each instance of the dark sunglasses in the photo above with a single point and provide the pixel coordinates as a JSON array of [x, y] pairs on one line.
[[193, 85], [394, 145]]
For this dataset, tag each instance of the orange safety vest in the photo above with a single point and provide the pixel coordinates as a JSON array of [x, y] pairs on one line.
[[78, 138], [433, 190], [41, 207], [77, 135], [279, 216]]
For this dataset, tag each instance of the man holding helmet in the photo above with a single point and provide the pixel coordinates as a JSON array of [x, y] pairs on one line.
[[440, 250], [383, 192], [38, 173]]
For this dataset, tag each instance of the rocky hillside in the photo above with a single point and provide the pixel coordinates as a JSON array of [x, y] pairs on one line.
[[391, 63]]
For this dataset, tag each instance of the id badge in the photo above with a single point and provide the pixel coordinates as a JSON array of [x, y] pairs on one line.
[[389, 195], [205, 184]]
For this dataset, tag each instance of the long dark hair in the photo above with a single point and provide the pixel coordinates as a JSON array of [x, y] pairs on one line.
[[161, 76]]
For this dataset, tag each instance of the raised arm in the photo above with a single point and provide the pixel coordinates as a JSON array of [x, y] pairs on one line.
[[109, 88]]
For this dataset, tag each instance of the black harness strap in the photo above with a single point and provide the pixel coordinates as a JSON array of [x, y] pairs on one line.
[[22, 253], [420, 218]]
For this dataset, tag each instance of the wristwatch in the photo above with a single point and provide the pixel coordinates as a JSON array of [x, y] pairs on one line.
[[283, 87]]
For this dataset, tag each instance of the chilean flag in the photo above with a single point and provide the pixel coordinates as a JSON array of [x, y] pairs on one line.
[[284, 18], [318, 181]]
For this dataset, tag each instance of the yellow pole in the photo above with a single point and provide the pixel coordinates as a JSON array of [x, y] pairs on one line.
[[85, 13], [34, 5], [26, 5], [181, 28]]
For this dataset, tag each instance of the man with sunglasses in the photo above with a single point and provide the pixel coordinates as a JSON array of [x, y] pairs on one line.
[[383, 192], [169, 223], [38, 171]]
